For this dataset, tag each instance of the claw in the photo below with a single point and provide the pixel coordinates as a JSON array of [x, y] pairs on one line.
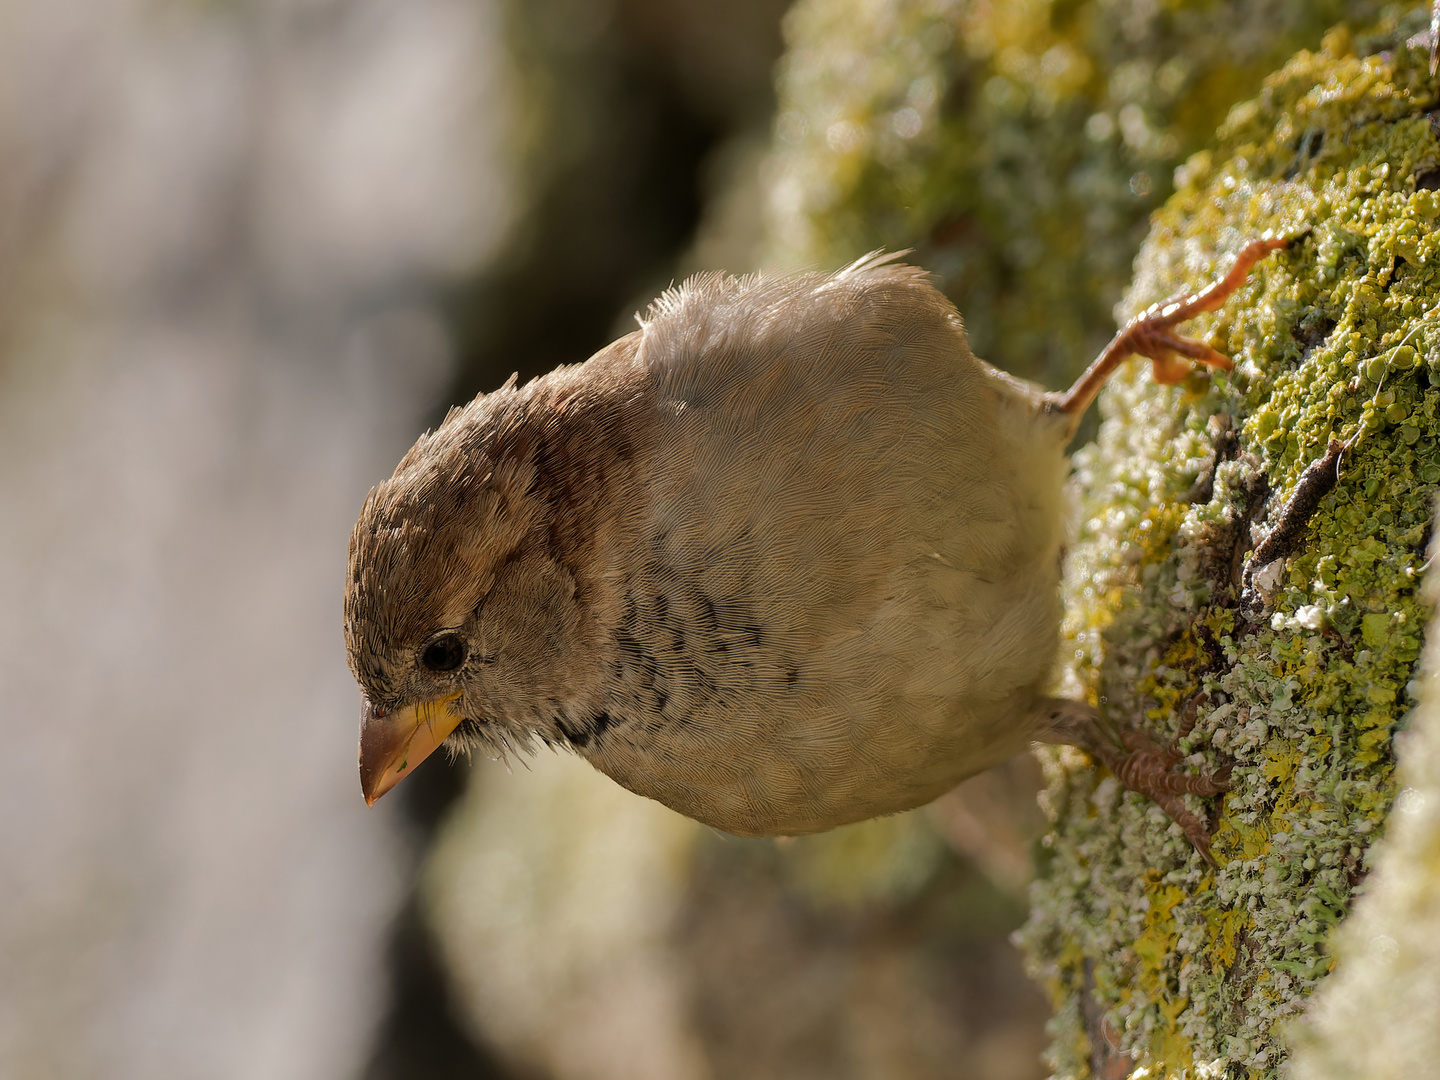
[[1147, 769], [1139, 762]]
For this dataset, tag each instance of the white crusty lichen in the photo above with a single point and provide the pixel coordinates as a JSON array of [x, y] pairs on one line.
[[1378, 1016], [1158, 964]]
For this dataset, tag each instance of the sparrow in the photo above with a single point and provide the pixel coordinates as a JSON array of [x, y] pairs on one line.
[[785, 557]]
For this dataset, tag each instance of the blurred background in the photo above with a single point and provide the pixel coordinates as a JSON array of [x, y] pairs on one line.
[[248, 252]]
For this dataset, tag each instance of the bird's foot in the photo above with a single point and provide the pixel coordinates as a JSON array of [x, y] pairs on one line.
[[1151, 334], [1147, 767], [1140, 763]]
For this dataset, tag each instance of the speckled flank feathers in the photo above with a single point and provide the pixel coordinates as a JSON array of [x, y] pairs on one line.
[[784, 558]]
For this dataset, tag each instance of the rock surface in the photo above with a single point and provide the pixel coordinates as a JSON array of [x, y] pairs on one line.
[[1306, 664]]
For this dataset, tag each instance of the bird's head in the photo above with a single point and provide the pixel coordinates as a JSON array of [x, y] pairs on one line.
[[470, 612]]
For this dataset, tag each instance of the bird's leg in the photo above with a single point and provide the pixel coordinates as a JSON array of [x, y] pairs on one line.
[[1138, 761], [1151, 334]]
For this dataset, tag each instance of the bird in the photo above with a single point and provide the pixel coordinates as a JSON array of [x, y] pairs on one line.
[[784, 558]]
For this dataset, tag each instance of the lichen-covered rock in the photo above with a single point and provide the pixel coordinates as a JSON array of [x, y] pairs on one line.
[[1018, 147], [1378, 1016], [1156, 961]]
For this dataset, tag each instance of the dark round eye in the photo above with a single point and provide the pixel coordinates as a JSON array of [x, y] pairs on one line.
[[444, 653]]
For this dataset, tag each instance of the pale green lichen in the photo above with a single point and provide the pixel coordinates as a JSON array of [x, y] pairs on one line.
[[1197, 969]]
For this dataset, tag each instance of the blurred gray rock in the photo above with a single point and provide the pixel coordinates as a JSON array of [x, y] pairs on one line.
[[219, 229], [554, 892]]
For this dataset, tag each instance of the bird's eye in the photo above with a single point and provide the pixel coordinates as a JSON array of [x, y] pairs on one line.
[[444, 653]]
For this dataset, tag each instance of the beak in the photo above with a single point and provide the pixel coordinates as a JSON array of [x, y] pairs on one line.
[[393, 743]]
